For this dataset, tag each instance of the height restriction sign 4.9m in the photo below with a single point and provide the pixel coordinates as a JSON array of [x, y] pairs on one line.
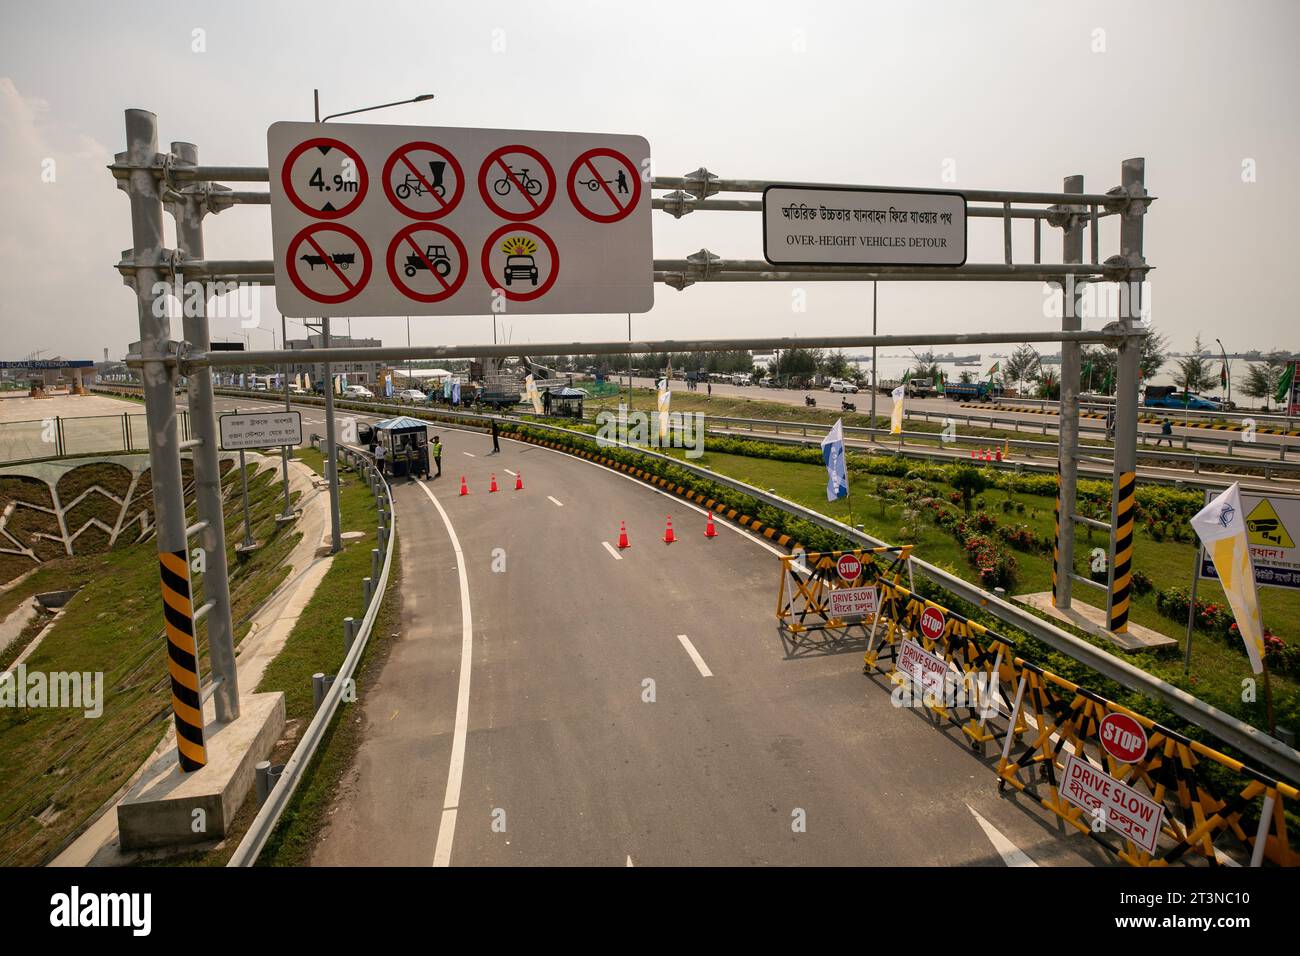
[[401, 220]]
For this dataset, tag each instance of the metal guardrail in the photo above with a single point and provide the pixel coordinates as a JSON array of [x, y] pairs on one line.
[[1102, 453], [263, 825], [1255, 744], [1225, 414]]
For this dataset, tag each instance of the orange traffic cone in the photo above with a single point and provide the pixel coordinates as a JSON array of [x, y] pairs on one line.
[[494, 484], [972, 452], [464, 489], [709, 530], [622, 535], [669, 537], [519, 482]]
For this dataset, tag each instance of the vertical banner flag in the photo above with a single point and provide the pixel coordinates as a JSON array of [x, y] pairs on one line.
[[455, 393], [896, 419], [665, 399], [995, 367], [1221, 526], [1284, 385], [388, 385], [530, 388], [837, 484], [446, 388]]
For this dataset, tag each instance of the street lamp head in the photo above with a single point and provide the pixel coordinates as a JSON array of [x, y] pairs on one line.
[[422, 97]]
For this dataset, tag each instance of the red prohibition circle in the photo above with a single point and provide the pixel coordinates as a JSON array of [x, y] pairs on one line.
[[301, 286], [286, 178], [932, 623], [495, 283], [583, 160], [449, 288], [494, 160], [447, 205]]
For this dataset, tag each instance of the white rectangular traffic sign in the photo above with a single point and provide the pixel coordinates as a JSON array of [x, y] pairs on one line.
[[1273, 534], [413, 220], [927, 671], [260, 430], [843, 226], [1121, 808], [853, 602]]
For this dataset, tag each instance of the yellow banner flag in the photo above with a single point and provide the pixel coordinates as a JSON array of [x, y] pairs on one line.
[[896, 420], [1221, 526]]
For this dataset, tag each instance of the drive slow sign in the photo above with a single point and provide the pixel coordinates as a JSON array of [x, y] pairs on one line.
[[400, 220]]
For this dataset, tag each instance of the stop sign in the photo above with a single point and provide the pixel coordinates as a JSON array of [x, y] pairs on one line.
[[849, 567], [932, 623], [1123, 737]]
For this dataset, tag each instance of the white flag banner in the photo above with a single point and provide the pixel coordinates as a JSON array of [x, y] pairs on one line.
[[896, 420], [530, 387], [665, 400], [1221, 526]]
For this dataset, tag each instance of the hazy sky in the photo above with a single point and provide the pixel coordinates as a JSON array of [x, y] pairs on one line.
[[1007, 95]]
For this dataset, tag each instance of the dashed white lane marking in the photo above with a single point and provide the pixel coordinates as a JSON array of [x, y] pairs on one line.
[[555, 501], [1011, 854], [695, 656], [450, 803], [469, 453], [612, 550], [512, 474]]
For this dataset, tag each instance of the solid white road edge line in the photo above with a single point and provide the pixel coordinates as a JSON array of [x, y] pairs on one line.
[[1011, 854], [695, 656], [610, 548], [447, 826]]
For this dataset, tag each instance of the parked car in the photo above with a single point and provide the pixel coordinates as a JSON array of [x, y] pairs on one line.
[[410, 395], [358, 391], [298, 390], [1169, 396], [840, 385]]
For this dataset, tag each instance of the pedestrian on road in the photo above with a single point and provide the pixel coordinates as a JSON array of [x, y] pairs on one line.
[[1166, 433], [380, 453], [437, 456], [710, 387], [496, 442]]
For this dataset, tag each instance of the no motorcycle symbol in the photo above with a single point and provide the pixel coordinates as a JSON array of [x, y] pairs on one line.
[[604, 185]]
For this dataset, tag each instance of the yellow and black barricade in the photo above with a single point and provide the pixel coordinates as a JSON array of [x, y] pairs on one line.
[[807, 580], [183, 659], [979, 661], [1215, 809]]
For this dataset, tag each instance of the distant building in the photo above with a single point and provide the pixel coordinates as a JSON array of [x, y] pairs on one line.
[[358, 373]]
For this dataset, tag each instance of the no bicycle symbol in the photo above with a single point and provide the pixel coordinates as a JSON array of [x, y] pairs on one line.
[[328, 262], [604, 185], [517, 182], [427, 263], [423, 180]]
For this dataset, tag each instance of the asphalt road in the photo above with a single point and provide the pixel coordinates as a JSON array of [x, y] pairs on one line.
[[511, 726]]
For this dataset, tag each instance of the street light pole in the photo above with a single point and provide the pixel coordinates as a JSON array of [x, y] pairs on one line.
[[1227, 371]]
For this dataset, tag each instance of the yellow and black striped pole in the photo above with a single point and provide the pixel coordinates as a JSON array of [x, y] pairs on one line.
[[183, 659], [1122, 579], [1056, 538]]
